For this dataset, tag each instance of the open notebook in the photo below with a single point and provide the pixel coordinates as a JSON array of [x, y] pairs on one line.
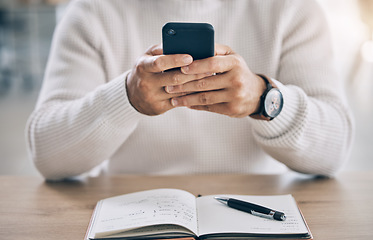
[[173, 213]]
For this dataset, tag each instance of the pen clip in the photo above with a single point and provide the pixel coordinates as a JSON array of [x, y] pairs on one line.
[[269, 215]]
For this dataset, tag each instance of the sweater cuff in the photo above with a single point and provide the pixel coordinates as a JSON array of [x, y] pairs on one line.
[[287, 119], [117, 105]]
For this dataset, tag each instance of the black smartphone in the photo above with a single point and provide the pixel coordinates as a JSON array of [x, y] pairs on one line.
[[196, 39]]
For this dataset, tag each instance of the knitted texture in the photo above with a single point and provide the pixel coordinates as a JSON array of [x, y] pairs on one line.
[[83, 116]]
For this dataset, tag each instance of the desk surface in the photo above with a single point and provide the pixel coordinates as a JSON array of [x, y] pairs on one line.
[[31, 208]]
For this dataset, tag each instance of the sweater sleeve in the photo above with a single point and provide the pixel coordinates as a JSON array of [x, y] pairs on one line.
[[313, 134], [81, 117]]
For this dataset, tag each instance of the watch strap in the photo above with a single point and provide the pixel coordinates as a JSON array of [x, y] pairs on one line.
[[269, 85]]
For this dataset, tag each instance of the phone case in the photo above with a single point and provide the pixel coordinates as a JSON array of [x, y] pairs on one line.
[[196, 39]]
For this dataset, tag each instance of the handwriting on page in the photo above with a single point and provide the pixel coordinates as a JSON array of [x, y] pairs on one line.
[[158, 207], [148, 208], [293, 223]]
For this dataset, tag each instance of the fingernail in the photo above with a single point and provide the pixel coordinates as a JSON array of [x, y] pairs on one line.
[[187, 59], [169, 88], [174, 102], [184, 69]]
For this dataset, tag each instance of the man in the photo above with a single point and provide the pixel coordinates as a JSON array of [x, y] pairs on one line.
[[104, 98]]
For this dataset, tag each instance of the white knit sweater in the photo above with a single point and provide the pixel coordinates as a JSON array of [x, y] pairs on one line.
[[83, 116]]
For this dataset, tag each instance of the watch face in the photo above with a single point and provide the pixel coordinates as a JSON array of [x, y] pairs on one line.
[[273, 103]]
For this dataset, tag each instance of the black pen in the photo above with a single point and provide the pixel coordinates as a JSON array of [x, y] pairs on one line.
[[252, 208]]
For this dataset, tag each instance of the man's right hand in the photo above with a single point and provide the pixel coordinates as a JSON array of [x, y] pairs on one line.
[[147, 81]]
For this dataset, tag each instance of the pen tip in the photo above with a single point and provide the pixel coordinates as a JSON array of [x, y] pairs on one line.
[[223, 200]]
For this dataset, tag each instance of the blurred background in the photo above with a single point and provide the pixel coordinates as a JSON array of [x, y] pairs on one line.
[[26, 30]]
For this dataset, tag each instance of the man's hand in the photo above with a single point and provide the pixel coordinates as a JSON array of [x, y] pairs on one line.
[[234, 90], [147, 80]]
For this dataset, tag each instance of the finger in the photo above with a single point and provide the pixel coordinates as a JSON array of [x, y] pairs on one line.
[[155, 50], [162, 63], [173, 79], [217, 64], [221, 49], [163, 95], [203, 98], [207, 83]]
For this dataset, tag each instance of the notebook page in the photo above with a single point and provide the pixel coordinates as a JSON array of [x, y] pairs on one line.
[[159, 206], [215, 217]]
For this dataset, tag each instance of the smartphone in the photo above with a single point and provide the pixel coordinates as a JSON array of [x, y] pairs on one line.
[[196, 39]]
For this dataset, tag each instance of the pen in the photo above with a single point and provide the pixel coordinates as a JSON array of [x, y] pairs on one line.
[[252, 208]]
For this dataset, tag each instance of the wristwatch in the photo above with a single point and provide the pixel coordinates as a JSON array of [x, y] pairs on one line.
[[271, 102]]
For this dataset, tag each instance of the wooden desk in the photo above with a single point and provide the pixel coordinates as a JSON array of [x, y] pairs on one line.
[[30, 208]]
